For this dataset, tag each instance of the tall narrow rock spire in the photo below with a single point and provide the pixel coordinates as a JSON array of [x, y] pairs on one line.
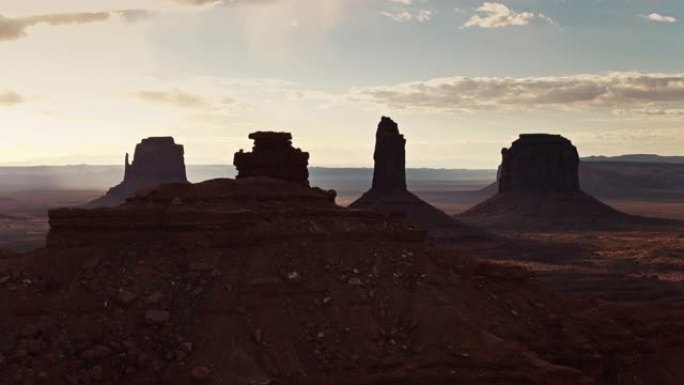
[[389, 193], [390, 157]]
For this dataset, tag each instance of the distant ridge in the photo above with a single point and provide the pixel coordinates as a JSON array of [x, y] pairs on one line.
[[636, 158]]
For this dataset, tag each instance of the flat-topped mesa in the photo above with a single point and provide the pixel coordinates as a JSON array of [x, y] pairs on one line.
[[539, 162], [390, 158], [157, 161], [273, 156], [157, 158]]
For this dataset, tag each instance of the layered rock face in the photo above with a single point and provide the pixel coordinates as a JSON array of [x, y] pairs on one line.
[[539, 162], [390, 157], [273, 156], [389, 193], [156, 161]]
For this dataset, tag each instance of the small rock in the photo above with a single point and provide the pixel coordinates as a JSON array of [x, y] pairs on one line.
[[157, 317], [180, 355], [200, 373], [22, 353], [144, 360], [355, 282], [97, 373], [258, 336], [155, 298], [43, 378], [30, 331], [35, 346], [4, 279], [293, 276], [126, 297]]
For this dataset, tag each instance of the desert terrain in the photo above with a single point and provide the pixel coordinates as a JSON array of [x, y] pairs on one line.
[[263, 279]]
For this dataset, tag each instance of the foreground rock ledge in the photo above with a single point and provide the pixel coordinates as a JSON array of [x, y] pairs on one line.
[[262, 281]]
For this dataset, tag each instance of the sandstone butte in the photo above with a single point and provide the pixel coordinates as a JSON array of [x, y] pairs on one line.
[[263, 281], [156, 161], [538, 188]]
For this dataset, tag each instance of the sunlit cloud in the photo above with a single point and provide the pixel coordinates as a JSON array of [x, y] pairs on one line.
[[463, 94], [650, 111], [11, 98], [497, 15], [404, 15], [184, 100], [196, 2], [660, 18], [16, 28]]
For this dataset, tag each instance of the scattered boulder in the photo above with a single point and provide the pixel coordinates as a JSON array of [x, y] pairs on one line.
[[200, 373], [157, 317], [273, 156], [157, 161]]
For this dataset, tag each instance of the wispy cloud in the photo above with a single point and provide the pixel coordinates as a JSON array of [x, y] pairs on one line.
[[650, 111], [16, 28], [197, 2], [404, 15], [660, 18], [462, 94], [185, 100], [11, 98], [497, 15]]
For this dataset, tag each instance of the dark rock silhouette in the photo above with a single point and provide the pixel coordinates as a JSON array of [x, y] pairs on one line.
[[157, 161], [389, 173], [539, 162], [273, 156], [389, 193], [539, 188]]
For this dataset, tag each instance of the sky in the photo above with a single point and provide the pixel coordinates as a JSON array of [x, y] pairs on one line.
[[83, 81]]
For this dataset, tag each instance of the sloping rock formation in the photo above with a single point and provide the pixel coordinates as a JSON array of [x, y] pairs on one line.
[[273, 156], [157, 161], [538, 187], [389, 193]]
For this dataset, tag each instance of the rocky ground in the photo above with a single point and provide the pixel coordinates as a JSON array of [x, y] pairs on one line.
[[261, 282]]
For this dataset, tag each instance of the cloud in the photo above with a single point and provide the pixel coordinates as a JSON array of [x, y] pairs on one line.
[[196, 2], [462, 94], [650, 111], [16, 28], [657, 17], [497, 15], [404, 15], [11, 98], [181, 99]]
